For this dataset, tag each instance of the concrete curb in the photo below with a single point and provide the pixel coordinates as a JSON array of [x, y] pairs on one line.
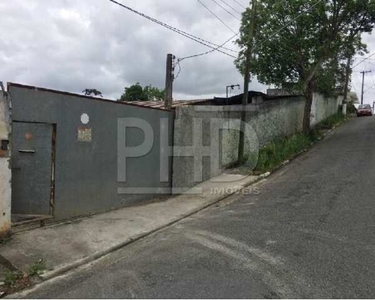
[[87, 260], [55, 273], [62, 270], [78, 263]]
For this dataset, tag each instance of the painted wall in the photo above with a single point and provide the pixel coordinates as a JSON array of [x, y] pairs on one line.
[[266, 121], [86, 179], [322, 108], [5, 172]]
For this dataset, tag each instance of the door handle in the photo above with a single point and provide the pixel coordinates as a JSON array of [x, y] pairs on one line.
[[26, 151]]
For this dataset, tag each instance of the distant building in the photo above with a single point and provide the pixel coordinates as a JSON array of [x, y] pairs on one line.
[[282, 92], [352, 97]]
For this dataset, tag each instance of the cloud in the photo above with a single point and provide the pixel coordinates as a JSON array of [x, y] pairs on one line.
[[72, 45]]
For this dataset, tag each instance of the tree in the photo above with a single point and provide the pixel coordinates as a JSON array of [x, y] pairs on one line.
[[154, 93], [137, 93], [334, 75], [353, 45], [134, 93], [297, 41], [95, 92]]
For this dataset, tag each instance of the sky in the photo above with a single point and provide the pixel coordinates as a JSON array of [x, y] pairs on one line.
[[72, 45], [367, 65]]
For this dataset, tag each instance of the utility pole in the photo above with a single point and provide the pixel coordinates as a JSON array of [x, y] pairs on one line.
[[245, 100], [169, 82], [363, 83]]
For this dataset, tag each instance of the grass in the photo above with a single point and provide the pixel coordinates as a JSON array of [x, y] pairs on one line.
[[275, 153], [11, 278], [5, 240], [281, 150], [331, 121], [37, 268], [17, 280]]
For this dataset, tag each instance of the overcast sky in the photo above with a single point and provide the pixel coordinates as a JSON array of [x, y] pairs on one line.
[[71, 45]]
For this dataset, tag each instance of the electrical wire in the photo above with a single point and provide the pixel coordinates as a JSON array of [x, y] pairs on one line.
[[206, 43], [353, 85], [363, 60], [216, 16], [179, 69], [217, 3], [210, 51], [372, 77], [243, 6], [369, 88], [231, 7]]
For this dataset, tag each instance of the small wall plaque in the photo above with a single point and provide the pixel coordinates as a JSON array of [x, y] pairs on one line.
[[84, 134]]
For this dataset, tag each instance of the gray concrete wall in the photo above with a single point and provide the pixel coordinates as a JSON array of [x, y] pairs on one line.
[[267, 121], [86, 179], [5, 172], [322, 108]]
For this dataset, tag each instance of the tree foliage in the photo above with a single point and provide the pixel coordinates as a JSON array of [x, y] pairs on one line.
[[154, 93], [302, 43], [90, 92], [137, 93]]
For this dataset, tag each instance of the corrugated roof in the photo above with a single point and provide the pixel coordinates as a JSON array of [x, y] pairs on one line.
[[146, 104], [160, 104]]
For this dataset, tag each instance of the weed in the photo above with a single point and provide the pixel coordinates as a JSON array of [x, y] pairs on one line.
[[11, 278], [331, 121], [280, 150], [351, 108], [37, 268], [5, 240]]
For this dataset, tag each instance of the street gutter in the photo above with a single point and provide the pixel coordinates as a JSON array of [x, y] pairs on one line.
[[91, 258]]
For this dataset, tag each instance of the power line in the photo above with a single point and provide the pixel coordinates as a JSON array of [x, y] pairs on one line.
[[208, 52], [369, 88], [217, 3], [181, 32], [239, 4], [231, 7], [373, 81], [363, 60], [200, 54], [216, 16], [179, 69]]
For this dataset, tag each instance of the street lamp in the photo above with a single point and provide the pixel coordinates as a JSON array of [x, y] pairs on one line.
[[232, 88]]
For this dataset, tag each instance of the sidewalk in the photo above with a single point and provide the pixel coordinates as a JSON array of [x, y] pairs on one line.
[[69, 245]]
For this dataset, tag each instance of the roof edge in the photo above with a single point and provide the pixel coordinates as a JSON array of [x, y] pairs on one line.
[[30, 87]]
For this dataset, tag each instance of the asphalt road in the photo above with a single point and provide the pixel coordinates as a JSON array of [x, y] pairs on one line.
[[310, 233]]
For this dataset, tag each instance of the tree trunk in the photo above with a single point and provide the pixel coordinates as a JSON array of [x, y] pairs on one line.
[[309, 94], [347, 76]]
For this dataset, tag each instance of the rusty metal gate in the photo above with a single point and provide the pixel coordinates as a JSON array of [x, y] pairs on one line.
[[32, 168]]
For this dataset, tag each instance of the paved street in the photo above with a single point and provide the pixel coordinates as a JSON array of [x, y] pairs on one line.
[[309, 233]]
